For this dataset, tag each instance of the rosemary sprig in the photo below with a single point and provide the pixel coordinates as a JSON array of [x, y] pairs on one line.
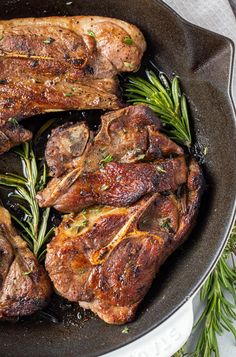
[[166, 99], [34, 228], [105, 160], [219, 312]]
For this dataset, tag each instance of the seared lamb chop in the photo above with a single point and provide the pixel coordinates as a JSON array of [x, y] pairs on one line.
[[63, 63], [123, 184], [129, 135], [106, 258], [24, 284]]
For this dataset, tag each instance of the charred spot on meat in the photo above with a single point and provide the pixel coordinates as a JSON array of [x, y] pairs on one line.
[[24, 284]]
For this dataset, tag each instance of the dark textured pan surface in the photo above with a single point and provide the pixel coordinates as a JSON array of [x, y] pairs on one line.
[[203, 61]]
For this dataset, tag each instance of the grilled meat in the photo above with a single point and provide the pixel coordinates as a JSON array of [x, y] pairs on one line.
[[122, 184], [63, 63], [106, 258], [24, 284], [65, 147], [129, 135], [12, 134]]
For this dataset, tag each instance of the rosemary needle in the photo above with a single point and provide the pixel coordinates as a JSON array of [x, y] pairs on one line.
[[35, 227], [166, 99]]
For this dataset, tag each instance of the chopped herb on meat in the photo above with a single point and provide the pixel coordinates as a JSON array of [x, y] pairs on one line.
[[91, 33], [49, 40], [128, 40]]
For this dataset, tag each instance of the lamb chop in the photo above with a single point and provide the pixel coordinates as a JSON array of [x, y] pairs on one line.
[[63, 63], [105, 258], [24, 284], [123, 184], [127, 136]]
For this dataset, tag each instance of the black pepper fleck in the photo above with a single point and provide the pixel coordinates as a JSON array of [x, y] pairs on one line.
[[34, 63], [90, 70], [78, 62]]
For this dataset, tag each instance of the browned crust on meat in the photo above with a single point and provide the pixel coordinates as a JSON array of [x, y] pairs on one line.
[[122, 184], [66, 144], [63, 63], [24, 284], [129, 135], [12, 134], [106, 258]]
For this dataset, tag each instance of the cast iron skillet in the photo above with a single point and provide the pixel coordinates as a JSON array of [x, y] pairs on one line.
[[203, 60]]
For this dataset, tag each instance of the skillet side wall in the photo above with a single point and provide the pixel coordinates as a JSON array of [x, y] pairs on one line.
[[202, 60]]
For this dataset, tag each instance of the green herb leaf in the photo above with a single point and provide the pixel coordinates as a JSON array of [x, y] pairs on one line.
[[165, 223], [91, 33], [160, 169], [180, 353], [106, 160], [125, 330], [205, 151], [13, 121], [43, 128], [82, 225], [28, 272], [84, 212], [49, 40], [141, 157], [69, 94], [128, 40], [128, 65]]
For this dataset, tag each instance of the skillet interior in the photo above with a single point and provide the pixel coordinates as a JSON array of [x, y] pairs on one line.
[[202, 60]]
